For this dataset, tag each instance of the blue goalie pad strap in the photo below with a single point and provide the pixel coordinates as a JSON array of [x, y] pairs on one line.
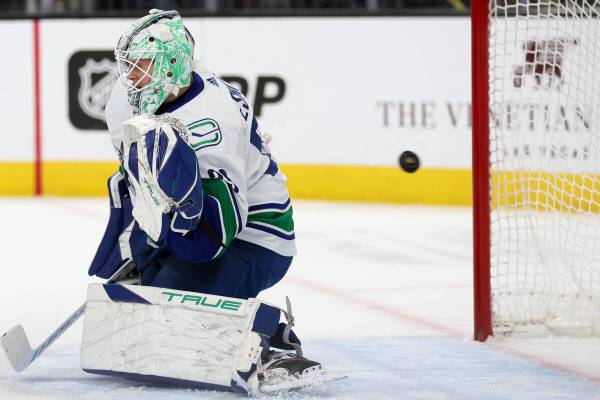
[[121, 294], [272, 231], [269, 206], [246, 375], [266, 320], [237, 388], [163, 379], [108, 257]]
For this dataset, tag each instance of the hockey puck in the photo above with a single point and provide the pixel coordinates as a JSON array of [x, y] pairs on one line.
[[409, 161]]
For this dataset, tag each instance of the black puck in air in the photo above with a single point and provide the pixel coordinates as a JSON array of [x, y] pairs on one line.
[[409, 161]]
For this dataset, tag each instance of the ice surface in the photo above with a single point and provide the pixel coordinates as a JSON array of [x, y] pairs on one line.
[[401, 368], [380, 293]]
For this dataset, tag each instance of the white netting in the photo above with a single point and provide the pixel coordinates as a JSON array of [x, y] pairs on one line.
[[545, 164]]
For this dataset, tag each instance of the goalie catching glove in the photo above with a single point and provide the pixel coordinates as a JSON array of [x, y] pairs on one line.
[[163, 174]]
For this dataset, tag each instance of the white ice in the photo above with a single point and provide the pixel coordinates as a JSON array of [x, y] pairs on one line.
[[380, 293]]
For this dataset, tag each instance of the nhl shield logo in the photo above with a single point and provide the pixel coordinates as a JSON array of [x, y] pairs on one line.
[[91, 79], [97, 80]]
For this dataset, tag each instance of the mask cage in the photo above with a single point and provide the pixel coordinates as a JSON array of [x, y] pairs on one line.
[[128, 61]]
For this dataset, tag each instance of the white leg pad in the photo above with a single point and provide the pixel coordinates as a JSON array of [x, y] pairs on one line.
[[166, 335]]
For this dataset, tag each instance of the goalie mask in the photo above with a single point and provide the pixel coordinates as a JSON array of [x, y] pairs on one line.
[[154, 59]]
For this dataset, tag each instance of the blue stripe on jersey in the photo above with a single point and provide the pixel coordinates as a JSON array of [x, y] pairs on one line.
[[214, 216], [269, 206], [273, 169], [271, 231], [195, 89], [256, 141], [254, 137], [237, 209]]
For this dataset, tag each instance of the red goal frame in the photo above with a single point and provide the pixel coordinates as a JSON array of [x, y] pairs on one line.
[[481, 169]]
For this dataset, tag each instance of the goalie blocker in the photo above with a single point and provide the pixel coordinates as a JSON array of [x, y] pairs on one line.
[[200, 340]]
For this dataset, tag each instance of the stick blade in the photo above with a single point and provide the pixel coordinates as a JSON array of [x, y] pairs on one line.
[[15, 345]]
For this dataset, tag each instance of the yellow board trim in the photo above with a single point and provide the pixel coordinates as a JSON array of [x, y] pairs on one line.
[[60, 178], [379, 184], [545, 191], [17, 178], [322, 182]]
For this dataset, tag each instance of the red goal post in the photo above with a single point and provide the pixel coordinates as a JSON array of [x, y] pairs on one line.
[[536, 167], [480, 168]]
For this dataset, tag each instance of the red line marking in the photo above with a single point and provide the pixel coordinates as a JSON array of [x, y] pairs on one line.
[[432, 325], [74, 208], [37, 109], [544, 362], [390, 311], [400, 288]]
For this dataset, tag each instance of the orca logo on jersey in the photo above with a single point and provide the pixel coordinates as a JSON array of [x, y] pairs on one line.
[[91, 78], [222, 174]]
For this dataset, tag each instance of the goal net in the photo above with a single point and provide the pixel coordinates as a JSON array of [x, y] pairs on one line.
[[543, 178]]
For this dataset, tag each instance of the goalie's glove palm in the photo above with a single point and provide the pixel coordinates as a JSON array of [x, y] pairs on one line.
[[163, 171]]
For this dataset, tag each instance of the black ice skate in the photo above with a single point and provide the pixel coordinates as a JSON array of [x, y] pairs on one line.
[[287, 370]]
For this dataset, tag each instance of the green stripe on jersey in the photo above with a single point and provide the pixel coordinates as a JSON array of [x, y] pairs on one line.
[[281, 220], [218, 189]]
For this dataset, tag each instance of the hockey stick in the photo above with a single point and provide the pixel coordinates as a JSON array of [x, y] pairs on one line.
[[16, 345]]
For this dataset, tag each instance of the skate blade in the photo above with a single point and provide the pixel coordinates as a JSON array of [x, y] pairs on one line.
[[301, 382]]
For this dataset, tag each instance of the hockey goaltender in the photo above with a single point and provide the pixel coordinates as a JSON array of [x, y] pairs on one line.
[[201, 209]]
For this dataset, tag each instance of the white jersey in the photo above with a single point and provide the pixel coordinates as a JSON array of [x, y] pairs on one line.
[[254, 203]]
